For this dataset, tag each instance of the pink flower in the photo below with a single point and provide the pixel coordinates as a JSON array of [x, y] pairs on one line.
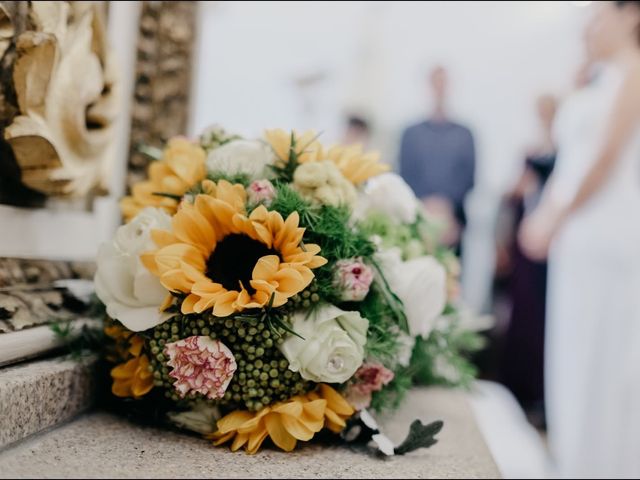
[[353, 277], [200, 365], [369, 378], [261, 191]]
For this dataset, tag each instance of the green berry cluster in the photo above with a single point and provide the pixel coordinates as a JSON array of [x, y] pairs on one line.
[[262, 377], [306, 298]]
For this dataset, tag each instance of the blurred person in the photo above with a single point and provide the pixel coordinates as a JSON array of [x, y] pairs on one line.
[[357, 132], [522, 282], [588, 219], [437, 159]]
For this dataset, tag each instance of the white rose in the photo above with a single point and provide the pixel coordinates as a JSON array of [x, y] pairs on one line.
[[130, 292], [333, 345], [248, 157], [421, 284], [388, 193]]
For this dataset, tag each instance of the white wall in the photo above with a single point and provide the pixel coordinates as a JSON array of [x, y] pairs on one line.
[[373, 56]]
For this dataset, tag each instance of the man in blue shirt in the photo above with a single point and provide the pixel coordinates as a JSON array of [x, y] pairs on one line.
[[437, 159]]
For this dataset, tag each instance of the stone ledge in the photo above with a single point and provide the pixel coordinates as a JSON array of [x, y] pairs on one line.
[[40, 394], [100, 445]]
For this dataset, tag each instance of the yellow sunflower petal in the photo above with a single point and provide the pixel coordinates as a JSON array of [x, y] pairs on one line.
[[162, 238], [290, 281], [224, 304], [220, 439], [189, 303], [279, 435], [296, 429], [292, 407], [315, 408], [335, 401], [176, 281], [167, 302], [240, 440], [192, 228], [334, 422], [266, 267], [233, 421], [256, 438]]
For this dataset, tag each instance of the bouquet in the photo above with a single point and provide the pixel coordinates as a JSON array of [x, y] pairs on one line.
[[276, 288]]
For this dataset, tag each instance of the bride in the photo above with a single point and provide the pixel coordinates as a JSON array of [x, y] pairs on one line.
[[589, 219]]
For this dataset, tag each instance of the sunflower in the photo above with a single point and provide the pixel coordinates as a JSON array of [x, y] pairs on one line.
[[354, 164], [182, 166], [223, 259], [286, 423]]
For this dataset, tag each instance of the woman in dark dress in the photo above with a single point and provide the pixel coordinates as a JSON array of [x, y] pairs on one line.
[[524, 280]]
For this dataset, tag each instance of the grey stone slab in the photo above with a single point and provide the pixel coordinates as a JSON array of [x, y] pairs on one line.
[[99, 445], [37, 395]]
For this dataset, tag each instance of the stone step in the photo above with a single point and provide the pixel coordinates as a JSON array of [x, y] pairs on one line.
[[100, 445], [38, 395]]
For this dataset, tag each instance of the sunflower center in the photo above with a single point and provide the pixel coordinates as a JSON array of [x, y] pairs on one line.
[[234, 259]]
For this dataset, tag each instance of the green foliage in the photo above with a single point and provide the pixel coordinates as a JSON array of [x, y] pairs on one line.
[[328, 227], [391, 396], [444, 357], [77, 342], [288, 201]]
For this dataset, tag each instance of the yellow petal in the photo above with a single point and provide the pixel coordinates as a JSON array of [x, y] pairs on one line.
[[266, 267], [168, 301], [125, 370], [290, 282], [239, 441], [295, 428], [280, 436], [121, 389], [335, 401], [188, 304], [220, 439], [292, 408], [255, 439], [233, 421], [315, 408], [224, 304], [334, 422]]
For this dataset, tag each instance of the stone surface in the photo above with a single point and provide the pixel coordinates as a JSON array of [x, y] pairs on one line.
[[99, 445], [39, 394]]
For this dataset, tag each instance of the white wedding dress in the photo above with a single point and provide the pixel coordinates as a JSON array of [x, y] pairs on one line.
[[593, 326]]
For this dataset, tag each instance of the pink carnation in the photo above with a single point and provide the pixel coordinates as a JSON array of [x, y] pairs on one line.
[[369, 378], [200, 365], [261, 191], [354, 278]]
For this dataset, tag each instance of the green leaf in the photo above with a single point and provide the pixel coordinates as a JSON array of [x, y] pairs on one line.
[[150, 151], [420, 436]]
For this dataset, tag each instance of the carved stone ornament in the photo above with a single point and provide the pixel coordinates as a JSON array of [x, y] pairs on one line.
[[65, 90]]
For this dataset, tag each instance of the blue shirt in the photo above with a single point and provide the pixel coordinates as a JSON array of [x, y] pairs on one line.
[[438, 158]]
